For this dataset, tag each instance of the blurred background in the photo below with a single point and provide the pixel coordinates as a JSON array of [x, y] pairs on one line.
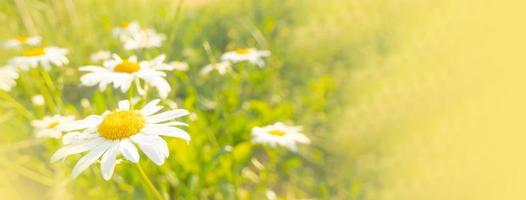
[[402, 99]]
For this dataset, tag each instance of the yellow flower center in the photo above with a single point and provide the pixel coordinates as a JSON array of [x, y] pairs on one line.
[[34, 52], [22, 38], [277, 132], [121, 124], [243, 51], [124, 24], [127, 67], [53, 125]]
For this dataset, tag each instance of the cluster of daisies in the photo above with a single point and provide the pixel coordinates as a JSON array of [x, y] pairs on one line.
[[120, 131]]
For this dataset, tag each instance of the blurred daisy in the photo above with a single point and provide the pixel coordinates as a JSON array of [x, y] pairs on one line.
[[8, 76], [279, 134], [40, 56], [221, 67], [50, 126], [22, 40], [179, 66], [122, 73], [100, 56], [126, 28], [117, 132], [143, 39], [246, 54], [38, 100]]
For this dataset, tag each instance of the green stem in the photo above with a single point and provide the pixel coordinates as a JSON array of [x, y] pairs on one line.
[[44, 91], [149, 183], [19, 107], [130, 96], [52, 88]]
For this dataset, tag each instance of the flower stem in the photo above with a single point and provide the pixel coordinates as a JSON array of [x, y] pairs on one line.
[[149, 183], [19, 107], [130, 96]]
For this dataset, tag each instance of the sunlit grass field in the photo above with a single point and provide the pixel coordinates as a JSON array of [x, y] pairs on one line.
[[399, 99], [300, 84]]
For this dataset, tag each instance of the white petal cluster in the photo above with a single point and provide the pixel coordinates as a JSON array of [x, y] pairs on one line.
[[251, 55], [100, 56], [288, 136], [143, 39], [8, 77], [51, 126], [84, 136], [133, 36], [20, 41], [46, 57], [221, 67], [149, 71]]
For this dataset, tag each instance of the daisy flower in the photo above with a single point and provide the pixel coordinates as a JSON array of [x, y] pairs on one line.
[[279, 134], [246, 54], [179, 66], [22, 40], [143, 39], [38, 100], [8, 76], [126, 28], [51, 126], [100, 56], [44, 56], [118, 132], [122, 72], [221, 67]]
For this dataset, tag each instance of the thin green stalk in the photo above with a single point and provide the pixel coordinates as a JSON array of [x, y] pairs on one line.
[[52, 88], [45, 92], [149, 183], [130, 96], [19, 107]]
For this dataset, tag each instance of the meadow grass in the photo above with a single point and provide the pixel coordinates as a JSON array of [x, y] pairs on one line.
[[301, 84]]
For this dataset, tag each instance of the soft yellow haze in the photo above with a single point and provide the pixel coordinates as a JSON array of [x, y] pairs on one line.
[[442, 117]]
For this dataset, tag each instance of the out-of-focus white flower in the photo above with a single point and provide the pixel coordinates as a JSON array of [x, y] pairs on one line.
[[143, 39], [100, 56], [40, 56], [246, 54], [221, 67], [122, 73], [38, 100], [126, 28], [179, 66], [22, 40], [271, 195], [51, 126], [8, 76], [117, 132], [192, 116], [279, 134], [85, 103], [228, 148]]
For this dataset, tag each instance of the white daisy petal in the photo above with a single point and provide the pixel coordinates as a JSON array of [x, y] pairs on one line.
[[75, 137], [76, 148], [151, 108], [153, 153], [129, 151], [90, 158], [108, 161], [124, 105], [165, 116], [166, 131]]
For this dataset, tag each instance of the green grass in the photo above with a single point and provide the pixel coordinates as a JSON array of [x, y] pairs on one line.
[[314, 44]]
